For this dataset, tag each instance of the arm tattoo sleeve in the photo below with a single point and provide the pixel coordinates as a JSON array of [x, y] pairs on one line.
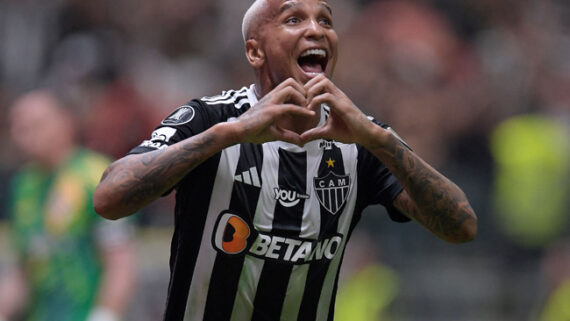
[[433, 200]]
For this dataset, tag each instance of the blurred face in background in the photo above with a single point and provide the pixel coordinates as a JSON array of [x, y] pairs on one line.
[[41, 128], [297, 40]]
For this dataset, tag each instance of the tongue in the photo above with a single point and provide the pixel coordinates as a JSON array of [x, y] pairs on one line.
[[310, 67]]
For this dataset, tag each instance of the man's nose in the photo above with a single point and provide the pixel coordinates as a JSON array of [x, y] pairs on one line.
[[314, 30]]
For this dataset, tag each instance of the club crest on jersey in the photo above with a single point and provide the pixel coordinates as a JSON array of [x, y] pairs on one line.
[[180, 116], [332, 191]]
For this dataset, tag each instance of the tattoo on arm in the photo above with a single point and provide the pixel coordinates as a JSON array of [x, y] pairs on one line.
[[145, 178], [435, 201]]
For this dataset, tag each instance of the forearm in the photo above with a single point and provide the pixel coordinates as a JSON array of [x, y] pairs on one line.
[[438, 203], [13, 293], [118, 280], [134, 181]]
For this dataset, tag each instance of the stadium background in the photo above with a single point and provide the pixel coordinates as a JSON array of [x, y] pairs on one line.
[[479, 88]]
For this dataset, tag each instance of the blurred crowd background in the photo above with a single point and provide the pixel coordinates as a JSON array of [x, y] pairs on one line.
[[478, 88]]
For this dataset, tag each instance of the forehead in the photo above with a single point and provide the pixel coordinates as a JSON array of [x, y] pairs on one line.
[[280, 6], [35, 107]]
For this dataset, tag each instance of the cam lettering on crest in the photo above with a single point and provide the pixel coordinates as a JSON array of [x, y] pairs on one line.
[[332, 191]]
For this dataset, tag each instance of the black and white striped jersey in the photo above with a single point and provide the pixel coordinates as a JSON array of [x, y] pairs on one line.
[[260, 230]]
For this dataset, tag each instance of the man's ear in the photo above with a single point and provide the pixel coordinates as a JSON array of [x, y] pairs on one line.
[[254, 53]]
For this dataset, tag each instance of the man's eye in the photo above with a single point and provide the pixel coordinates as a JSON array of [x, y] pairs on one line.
[[293, 20], [325, 22]]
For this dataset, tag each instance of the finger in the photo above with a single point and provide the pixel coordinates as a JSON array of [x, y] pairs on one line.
[[325, 98], [290, 82], [294, 110], [286, 135], [290, 95], [281, 92], [315, 133], [317, 88], [314, 81]]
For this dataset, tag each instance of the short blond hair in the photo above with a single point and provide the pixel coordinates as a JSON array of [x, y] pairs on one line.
[[252, 16]]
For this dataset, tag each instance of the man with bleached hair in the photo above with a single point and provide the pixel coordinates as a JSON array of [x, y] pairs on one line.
[[272, 178]]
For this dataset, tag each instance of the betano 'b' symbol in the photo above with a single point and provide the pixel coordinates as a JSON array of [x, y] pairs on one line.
[[231, 234]]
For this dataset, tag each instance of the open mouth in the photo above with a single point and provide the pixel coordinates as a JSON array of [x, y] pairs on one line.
[[313, 61]]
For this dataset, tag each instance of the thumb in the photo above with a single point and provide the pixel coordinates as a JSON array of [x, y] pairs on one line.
[[285, 135], [314, 133]]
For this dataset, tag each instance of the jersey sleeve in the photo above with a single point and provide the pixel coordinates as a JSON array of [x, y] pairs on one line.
[[185, 121], [378, 184]]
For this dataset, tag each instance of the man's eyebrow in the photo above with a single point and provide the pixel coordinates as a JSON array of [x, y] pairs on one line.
[[326, 5], [288, 5]]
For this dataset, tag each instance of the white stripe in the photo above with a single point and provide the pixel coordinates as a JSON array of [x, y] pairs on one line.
[[255, 177], [328, 191], [225, 95], [310, 227], [248, 280], [219, 201], [263, 219], [295, 290], [251, 96], [242, 102], [328, 285], [246, 178], [349, 157], [227, 101], [311, 223]]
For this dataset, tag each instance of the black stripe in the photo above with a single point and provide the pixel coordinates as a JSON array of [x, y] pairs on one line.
[[227, 268], [187, 237], [334, 291], [287, 221], [329, 225]]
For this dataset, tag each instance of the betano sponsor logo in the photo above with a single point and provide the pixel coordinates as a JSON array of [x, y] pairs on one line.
[[292, 250], [234, 236]]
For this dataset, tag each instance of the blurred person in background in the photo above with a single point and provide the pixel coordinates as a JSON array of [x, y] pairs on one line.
[[556, 272], [72, 265], [410, 66], [265, 173]]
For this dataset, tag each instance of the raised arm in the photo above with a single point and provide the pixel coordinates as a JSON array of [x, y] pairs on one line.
[[428, 197], [134, 181]]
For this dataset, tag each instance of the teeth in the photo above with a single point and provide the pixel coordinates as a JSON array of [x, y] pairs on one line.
[[314, 52]]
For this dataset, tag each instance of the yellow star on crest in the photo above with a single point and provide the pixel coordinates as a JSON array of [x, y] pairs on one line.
[[330, 162]]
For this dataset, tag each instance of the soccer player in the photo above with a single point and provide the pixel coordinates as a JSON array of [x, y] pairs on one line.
[[272, 178], [75, 265]]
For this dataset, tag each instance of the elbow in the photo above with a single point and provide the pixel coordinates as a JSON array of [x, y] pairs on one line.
[[103, 204], [467, 231]]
